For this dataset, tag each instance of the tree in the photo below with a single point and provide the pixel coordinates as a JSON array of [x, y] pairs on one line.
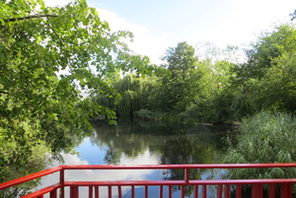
[[265, 50], [51, 61], [276, 90], [266, 80], [178, 83]]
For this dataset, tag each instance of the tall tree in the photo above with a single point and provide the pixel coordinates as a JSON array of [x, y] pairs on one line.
[[178, 83], [266, 49], [51, 60]]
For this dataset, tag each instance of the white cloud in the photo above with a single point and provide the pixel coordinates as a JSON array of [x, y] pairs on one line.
[[146, 41], [100, 175], [145, 158], [248, 19]]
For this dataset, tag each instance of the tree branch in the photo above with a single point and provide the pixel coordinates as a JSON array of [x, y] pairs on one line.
[[30, 17]]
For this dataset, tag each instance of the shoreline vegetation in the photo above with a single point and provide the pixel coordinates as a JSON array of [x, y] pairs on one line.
[[57, 73]]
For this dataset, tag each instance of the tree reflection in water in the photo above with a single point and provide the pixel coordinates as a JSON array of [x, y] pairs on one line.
[[172, 144], [36, 163], [168, 144]]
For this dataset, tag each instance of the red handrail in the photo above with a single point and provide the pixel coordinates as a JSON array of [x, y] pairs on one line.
[[29, 177], [223, 186], [183, 166]]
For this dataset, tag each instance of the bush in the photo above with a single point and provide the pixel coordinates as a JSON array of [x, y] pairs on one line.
[[147, 114], [265, 138]]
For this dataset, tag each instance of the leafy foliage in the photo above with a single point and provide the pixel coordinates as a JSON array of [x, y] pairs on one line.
[[217, 90], [265, 138], [52, 60], [268, 47], [178, 84]]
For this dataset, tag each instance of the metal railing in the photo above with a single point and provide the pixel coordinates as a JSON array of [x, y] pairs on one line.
[[225, 187]]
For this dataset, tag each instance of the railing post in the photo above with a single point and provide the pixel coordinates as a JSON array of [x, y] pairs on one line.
[[186, 175], [182, 191], [170, 191], [53, 193], [186, 179], [271, 191], [219, 191], [146, 191], [204, 192], [226, 191], [97, 191], [62, 181], [286, 190], [72, 191], [196, 191], [90, 191], [76, 192], [239, 191], [110, 191], [133, 191], [257, 191], [160, 191], [119, 192]]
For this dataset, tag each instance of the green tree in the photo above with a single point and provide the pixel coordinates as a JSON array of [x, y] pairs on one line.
[[208, 103], [52, 60], [179, 83], [268, 47], [266, 80], [277, 89], [136, 93]]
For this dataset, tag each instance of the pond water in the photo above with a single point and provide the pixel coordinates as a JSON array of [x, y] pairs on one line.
[[145, 143]]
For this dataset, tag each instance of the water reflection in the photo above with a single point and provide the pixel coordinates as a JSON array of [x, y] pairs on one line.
[[106, 175], [168, 145], [143, 144], [19, 168], [201, 144]]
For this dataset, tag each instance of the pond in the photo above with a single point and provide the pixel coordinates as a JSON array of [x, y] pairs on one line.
[[145, 143]]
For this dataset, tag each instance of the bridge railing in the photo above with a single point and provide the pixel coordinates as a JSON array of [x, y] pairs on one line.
[[224, 187]]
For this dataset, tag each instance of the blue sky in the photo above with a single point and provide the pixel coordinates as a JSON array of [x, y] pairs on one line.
[[159, 24], [171, 15]]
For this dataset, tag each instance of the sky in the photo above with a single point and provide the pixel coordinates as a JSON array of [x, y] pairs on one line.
[[160, 24]]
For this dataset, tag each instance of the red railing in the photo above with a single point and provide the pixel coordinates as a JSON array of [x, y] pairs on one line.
[[224, 187]]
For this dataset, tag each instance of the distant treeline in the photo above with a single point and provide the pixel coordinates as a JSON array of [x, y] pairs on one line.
[[213, 89]]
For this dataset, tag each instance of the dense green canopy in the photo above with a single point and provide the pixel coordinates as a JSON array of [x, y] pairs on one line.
[[193, 90], [52, 61]]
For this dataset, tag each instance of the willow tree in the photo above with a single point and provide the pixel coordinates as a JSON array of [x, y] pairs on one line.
[[51, 61], [136, 93]]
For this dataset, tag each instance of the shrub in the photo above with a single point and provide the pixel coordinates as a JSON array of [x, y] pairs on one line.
[[265, 138]]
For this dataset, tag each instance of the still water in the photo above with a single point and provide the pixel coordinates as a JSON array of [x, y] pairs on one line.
[[145, 144]]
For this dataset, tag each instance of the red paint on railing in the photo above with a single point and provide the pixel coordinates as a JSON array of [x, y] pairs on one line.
[[30, 177], [225, 187], [50, 189]]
